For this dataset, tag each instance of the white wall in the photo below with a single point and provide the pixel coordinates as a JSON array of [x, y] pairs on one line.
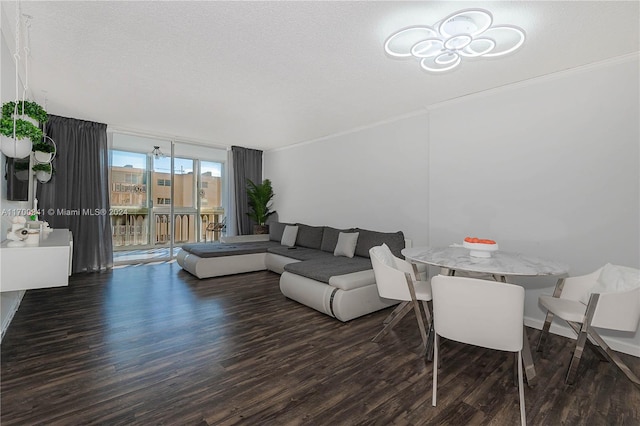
[[9, 301], [374, 178], [549, 167]]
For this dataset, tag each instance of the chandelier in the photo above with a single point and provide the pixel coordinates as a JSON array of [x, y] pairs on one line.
[[467, 33], [157, 154]]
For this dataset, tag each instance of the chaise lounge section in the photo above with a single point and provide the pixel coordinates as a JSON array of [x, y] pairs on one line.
[[325, 268]]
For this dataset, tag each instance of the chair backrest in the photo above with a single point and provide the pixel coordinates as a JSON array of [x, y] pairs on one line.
[[391, 281], [618, 311], [577, 288], [479, 312]]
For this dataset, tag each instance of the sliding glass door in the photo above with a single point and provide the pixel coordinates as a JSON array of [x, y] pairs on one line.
[[157, 208]]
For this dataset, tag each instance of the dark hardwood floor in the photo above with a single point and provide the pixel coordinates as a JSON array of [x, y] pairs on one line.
[[153, 345]]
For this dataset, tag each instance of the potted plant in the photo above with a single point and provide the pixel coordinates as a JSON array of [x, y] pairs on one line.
[[27, 110], [18, 145], [43, 172], [260, 196], [43, 152]]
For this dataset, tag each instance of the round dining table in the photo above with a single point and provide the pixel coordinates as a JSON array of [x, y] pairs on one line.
[[500, 265]]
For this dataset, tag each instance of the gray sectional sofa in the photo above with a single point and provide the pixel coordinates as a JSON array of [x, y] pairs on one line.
[[311, 272]]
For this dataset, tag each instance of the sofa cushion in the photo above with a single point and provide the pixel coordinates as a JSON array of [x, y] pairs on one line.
[[330, 238], [309, 236], [346, 245], [206, 250], [368, 239], [289, 235], [275, 231], [323, 268], [298, 253]]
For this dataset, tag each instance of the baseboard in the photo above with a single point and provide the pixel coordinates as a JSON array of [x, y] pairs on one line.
[[565, 331], [12, 311]]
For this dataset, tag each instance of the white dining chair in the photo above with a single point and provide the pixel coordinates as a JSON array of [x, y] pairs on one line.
[[615, 309], [481, 313], [398, 279]]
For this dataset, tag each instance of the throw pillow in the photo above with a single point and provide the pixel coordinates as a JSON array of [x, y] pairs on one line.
[[614, 279], [275, 230], [346, 245], [383, 253], [368, 239], [309, 236], [289, 236]]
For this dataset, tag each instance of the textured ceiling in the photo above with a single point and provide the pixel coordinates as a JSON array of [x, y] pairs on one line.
[[270, 74]]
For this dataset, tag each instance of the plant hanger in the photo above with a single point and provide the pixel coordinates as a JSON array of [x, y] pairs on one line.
[[19, 126]]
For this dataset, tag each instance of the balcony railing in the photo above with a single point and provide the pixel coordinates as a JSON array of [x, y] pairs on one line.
[[134, 229]]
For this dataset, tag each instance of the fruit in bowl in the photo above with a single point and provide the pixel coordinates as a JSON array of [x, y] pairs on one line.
[[475, 240], [479, 247]]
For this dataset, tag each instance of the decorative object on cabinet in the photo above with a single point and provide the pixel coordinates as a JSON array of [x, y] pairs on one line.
[[18, 232]]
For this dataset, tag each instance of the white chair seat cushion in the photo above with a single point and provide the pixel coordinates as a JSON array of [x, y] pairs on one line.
[[568, 310], [423, 290]]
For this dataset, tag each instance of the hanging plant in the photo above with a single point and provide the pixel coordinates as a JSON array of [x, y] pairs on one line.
[[43, 147], [44, 167], [17, 145], [27, 108], [43, 152], [24, 129], [43, 172]]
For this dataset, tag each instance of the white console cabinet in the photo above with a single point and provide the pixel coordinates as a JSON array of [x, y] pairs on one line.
[[42, 266]]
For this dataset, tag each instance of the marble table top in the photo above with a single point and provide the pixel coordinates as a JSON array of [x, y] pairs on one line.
[[500, 262]]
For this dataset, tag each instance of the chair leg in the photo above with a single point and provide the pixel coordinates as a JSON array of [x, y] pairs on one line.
[[423, 330], [613, 357], [416, 307], [575, 359], [395, 312], [515, 370], [544, 333], [435, 370], [582, 338], [523, 414], [549, 318], [403, 310], [430, 332]]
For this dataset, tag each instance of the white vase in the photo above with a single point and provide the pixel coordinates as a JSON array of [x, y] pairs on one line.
[[42, 157], [16, 148], [42, 176]]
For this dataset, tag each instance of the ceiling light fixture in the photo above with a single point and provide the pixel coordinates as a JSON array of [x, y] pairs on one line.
[[157, 154], [466, 33]]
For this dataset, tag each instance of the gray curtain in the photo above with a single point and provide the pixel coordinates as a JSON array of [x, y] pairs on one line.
[[247, 164], [77, 196]]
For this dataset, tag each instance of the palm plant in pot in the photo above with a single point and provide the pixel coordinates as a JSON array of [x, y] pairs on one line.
[[260, 196]]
